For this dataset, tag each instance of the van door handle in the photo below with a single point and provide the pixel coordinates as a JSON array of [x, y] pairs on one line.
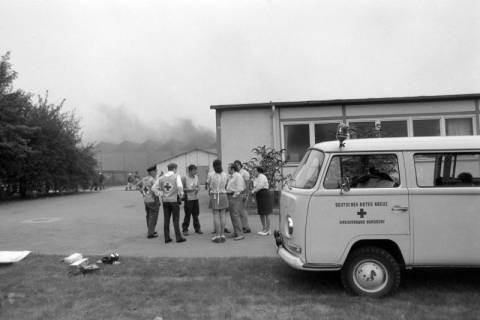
[[399, 209]]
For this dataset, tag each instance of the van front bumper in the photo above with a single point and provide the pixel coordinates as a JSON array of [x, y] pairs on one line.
[[291, 259], [295, 261]]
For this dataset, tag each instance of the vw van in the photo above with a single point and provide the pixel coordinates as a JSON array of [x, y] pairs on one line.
[[374, 207]]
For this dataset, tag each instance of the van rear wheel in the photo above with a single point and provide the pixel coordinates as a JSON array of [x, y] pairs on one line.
[[372, 272]]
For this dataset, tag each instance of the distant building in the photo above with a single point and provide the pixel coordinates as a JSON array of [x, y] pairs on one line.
[[117, 160], [201, 158], [295, 126]]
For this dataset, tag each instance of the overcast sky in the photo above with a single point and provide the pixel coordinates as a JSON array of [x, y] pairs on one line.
[[150, 61]]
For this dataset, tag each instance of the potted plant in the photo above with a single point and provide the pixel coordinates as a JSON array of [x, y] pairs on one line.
[[271, 161]]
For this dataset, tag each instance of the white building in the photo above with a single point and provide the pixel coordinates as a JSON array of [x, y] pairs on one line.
[[295, 126], [203, 159]]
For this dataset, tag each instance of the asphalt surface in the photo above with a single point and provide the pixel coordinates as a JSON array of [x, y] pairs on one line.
[[97, 223]]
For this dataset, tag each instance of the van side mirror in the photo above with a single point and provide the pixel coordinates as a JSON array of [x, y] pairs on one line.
[[345, 185]]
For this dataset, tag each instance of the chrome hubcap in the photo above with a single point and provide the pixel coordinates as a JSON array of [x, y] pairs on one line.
[[370, 276]]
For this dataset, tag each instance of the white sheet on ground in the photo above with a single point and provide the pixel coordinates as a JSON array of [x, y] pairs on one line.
[[12, 256]]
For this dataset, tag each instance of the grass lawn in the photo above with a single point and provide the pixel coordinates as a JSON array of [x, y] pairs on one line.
[[39, 287]]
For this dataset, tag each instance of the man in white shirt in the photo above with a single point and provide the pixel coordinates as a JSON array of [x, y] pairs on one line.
[[243, 212], [170, 185]]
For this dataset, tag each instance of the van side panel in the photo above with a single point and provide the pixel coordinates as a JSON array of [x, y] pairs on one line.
[[446, 222], [336, 220]]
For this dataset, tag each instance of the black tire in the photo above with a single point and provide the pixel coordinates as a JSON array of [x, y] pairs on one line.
[[371, 272]]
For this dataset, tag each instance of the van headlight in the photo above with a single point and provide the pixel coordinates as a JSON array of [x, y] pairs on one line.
[[289, 225]]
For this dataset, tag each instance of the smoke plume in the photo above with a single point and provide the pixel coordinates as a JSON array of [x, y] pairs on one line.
[[117, 124]]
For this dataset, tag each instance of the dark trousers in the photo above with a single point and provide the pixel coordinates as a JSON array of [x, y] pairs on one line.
[[191, 209], [171, 209], [235, 205], [151, 217]]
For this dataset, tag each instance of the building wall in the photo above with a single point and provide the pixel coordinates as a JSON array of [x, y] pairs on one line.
[[243, 130]]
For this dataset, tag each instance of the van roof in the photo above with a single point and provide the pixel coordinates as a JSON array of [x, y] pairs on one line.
[[402, 144]]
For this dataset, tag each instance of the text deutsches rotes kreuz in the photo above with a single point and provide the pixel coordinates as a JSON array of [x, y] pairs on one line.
[[361, 204]]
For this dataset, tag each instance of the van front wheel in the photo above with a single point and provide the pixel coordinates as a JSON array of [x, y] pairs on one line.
[[371, 271]]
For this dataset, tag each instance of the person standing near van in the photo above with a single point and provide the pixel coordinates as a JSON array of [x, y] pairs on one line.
[[263, 198], [218, 200], [235, 188], [151, 200], [243, 212], [170, 185], [191, 207]]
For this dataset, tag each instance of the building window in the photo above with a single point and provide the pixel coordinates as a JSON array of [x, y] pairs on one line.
[[397, 128], [459, 127], [364, 129], [297, 141], [426, 127], [325, 132]]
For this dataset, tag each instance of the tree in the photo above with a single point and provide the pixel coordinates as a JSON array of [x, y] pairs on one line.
[[14, 129], [40, 145]]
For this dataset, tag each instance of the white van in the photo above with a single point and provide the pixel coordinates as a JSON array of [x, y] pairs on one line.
[[376, 206]]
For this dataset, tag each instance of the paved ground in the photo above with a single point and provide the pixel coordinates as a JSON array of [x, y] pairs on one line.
[[112, 220]]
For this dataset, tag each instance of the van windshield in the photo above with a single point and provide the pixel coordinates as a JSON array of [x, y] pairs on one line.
[[305, 177]]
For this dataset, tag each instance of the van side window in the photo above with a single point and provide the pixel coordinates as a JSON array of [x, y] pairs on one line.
[[363, 171], [446, 170]]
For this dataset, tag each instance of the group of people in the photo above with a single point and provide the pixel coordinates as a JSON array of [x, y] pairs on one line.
[[231, 191], [98, 182], [227, 192], [132, 181]]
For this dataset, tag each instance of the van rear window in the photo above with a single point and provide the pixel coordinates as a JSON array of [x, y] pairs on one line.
[[441, 170], [363, 171]]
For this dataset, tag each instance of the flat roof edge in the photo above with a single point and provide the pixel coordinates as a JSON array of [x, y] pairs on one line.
[[313, 103]]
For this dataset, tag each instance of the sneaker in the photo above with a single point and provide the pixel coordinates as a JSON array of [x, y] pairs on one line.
[[246, 230], [261, 232], [168, 240], [216, 239], [185, 232], [264, 233], [152, 236], [226, 230], [182, 240], [222, 239], [239, 238], [199, 231]]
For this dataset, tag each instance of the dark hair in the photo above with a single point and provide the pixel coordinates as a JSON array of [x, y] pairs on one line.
[[192, 167], [260, 169], [233, 166], [217, 166], [152, 168], [172, 166], [465, 177], [238, 163]]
